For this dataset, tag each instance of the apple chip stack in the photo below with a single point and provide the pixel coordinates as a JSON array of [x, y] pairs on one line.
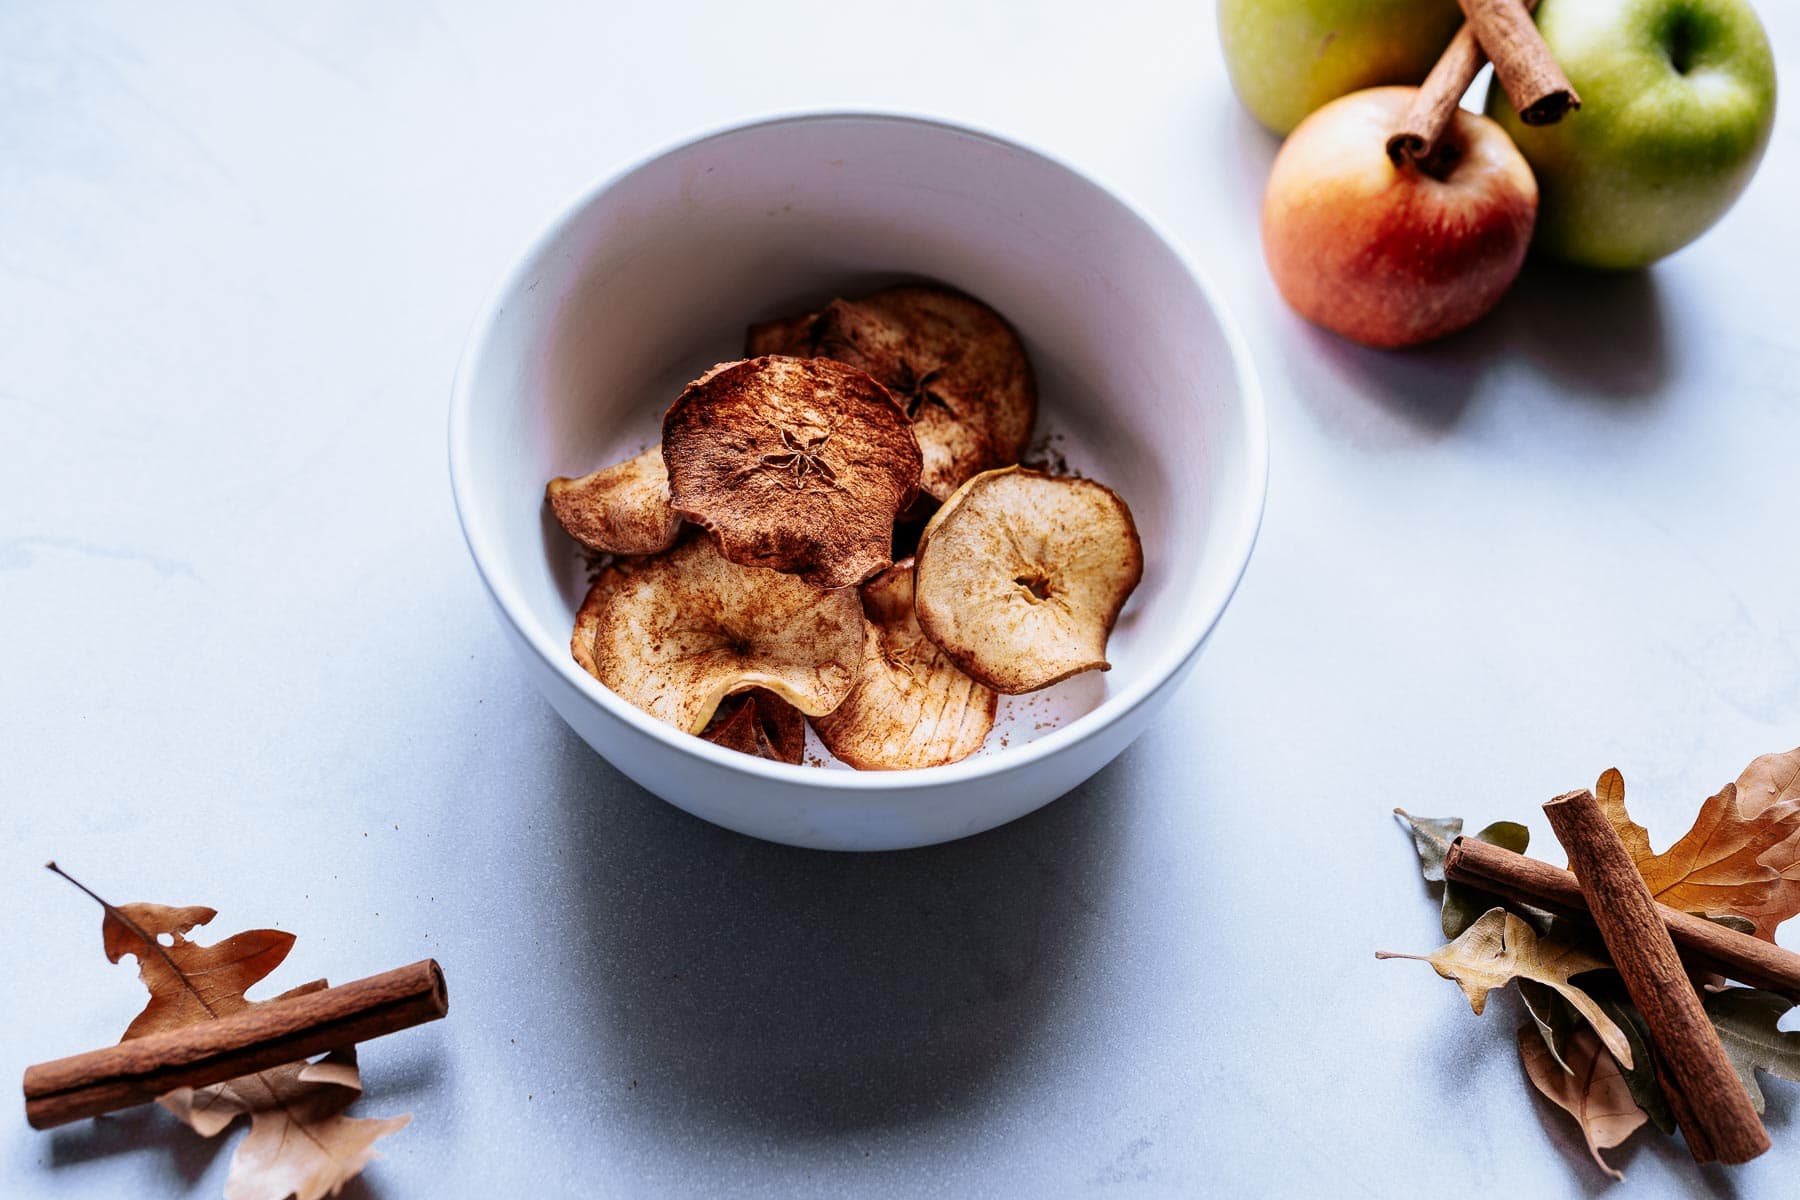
[[750, 582]]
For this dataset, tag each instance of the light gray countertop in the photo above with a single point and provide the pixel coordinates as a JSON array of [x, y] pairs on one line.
[[247, 663]]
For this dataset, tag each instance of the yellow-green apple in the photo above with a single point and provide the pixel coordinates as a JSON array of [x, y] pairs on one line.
[[1395, 255], [1677, 100], [1288, 57]]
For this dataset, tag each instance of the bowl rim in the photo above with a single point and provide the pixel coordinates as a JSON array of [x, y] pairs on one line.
[[1196, 620]]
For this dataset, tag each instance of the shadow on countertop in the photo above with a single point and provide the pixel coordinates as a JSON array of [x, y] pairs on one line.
[[803, 992], [146, 1129], [1592, 336]]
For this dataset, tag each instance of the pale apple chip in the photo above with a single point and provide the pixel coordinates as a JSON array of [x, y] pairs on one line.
[[603, 584], [621, 509], [952, 362], [759, 723], [798, 465], [910, 707], [1021, 576], [677, 633]]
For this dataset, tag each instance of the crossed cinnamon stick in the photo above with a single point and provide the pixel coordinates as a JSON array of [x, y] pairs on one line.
[[1649, 943], [1501, 30]]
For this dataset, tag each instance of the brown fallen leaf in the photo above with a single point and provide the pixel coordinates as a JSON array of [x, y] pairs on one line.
[[1592, 1090], [299, 1143], [1740, 858], [1501, 947]]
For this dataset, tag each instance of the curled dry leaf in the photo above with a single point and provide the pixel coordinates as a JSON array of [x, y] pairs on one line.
[[1021, 577], [1592, 1090], [621, 509], [910, 707], [1747, 1020], [1501, 947], [759, 723], [300, 1144], [1742, 856], [684, 629], [797, 465]]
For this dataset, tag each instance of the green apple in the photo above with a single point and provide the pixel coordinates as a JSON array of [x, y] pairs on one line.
[[1289, 57], [1677, 100]]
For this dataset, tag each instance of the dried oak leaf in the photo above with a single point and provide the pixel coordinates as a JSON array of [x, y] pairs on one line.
[[797, 465], [1746, 1019], [759, 723], [1557, 1022], [910, 707], [299, 1143], [1501, 947], [682, 630], [187, 982], [1021, 577], [1592, 1090], [621, 509], [1742, 856], [954, 364], [1432, 836]]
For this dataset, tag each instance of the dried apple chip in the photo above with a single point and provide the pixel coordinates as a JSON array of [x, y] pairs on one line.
[[910, 707], [621, 509], [952, 362], [798, 465], [1021, 576], [759, 723], [792, 336], [679, 632]]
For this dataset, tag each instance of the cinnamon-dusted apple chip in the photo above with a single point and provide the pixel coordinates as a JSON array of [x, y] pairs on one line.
[[679, 632], [1021, 575], [910, 707], [798, 465], [760, 723], [954, 364], [621, 509], [602, 586]]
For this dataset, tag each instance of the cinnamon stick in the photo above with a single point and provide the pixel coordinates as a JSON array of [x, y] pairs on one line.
[[266, 1035], [1419, 137], [1523, 64], [1709, 1103], [1703, 945]]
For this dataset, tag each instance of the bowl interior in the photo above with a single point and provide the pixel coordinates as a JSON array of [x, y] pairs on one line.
[[653, 278]]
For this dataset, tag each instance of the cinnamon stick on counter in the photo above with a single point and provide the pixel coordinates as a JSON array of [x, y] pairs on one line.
[[1709, 1103], [1523, 64], [1703, 945], [263, 1036]]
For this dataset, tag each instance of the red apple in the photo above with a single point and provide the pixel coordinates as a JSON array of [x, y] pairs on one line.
[[1395, 255]]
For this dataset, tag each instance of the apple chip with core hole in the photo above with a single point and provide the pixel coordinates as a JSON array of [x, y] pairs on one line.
[[1021, 575], [681, 631], [954, 365], [910, 707], [759, 723], [621, 509], [798, 465]]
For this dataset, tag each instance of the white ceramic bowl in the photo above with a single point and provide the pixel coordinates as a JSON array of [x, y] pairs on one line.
[[650, 278]]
